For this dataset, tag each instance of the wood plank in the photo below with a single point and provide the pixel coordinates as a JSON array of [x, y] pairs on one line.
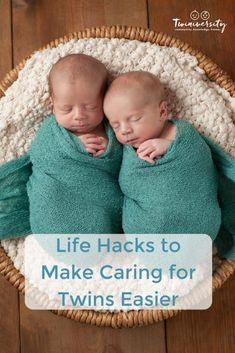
[[38, 22], [9, 318], [5, 38], [42, 331], [211, 330], [9, 308], [218, 46]]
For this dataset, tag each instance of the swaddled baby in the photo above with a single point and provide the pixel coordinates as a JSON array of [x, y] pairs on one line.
[[167, 175], [75, 155]]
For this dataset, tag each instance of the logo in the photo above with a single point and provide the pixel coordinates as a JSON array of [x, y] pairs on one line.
[[199, 21], [205, 15], [194, 15]]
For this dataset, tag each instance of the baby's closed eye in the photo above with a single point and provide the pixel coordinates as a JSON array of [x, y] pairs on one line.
[[66, 111], [91, 107], [65, 108], [136, 118], [115, 126]]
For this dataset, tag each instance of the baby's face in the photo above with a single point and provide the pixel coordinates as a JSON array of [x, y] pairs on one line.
[[78, 106], [135, 119]]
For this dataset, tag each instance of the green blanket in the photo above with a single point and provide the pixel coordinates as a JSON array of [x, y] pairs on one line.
[[70, 191], [225, 164], [178, 194], [14, 203]]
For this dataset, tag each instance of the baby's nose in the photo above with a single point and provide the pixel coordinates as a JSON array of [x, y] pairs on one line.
[[79, 114], [126, 129], [79, 117]]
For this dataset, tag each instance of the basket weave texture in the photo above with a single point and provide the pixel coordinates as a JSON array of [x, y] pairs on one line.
[[131, 318]]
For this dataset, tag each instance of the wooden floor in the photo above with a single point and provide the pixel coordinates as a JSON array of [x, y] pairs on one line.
[[26, 25]]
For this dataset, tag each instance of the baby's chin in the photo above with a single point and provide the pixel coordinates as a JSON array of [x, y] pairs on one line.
[[134, 144], [83, 130]]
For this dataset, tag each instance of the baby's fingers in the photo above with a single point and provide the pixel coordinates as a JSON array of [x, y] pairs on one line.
[[104, 144], [144, 145], [90, 150], [145, 152], [154, 154], [147, 159], [93, 139], [95, 146], [98, 153]]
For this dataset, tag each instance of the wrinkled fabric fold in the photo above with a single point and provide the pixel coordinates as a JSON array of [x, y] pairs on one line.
[[70, 191], [14, 203], [56, 203], [178, 194], [225, 241]]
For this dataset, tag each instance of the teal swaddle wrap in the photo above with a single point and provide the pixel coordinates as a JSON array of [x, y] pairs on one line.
[[225, 164], [70, 191], [14, 203], [178, 194]]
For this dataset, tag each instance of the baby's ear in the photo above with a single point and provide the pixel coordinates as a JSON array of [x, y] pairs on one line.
[[51, 102], [163, 109]]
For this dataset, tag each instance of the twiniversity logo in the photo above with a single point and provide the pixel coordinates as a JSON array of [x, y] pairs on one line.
[[199, 22]]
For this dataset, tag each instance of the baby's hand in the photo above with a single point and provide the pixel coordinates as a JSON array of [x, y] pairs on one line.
[[94, 144], [153, 149]]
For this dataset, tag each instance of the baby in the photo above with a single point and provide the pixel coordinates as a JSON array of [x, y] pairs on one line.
[[75, 155], [146, 128], [167, 175], [77, 84]]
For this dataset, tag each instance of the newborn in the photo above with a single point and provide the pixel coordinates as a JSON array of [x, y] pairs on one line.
[[75, 155], [167, 174]]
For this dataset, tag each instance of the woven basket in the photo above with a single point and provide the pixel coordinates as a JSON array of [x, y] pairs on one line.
[[214, 73]]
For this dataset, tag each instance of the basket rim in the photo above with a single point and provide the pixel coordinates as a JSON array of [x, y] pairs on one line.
[[214, 73]]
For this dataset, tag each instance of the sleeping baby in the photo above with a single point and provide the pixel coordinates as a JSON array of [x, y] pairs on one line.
[[75, 155], [167, 174]]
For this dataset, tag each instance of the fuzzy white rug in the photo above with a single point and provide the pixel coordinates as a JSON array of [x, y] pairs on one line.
[[191, 96]]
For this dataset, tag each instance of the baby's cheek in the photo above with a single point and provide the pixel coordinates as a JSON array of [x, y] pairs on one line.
[[146, 131], [64, 121], [119, 138], [96, 117]]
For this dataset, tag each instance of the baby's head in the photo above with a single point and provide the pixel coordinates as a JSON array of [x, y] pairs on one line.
[[77, 85], [135, 107]]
